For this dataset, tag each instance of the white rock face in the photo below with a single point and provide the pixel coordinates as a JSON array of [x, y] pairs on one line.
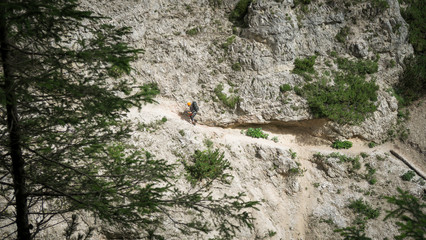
[[190, 67]]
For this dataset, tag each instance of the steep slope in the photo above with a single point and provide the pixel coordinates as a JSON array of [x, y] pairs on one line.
[[305, 204], [194, 52]]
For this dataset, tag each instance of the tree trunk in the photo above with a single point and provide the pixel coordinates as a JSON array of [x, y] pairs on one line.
[[18, 162]]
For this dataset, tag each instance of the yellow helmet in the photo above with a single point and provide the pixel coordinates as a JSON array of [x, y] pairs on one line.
[[189, 104]]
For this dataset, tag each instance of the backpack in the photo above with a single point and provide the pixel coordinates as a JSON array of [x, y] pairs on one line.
[[195, 106]]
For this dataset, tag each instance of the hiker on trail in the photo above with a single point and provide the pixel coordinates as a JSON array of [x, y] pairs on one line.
[[193, 109]]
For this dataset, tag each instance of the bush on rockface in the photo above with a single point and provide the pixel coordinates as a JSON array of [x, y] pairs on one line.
[[342, 144], [349, 100], [256, 133], [207, 165], [240, 11]]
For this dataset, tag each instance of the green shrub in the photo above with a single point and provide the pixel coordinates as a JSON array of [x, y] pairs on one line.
[[215, 3], [363, 208], [342, 34], [182, 132], [275, 139], [152, 126], [228, 42], [356, 232], [285, 87], [305, 2], [412, 83], [230, 102], [293, 155], [350, 100], [408, 176], [209, 165], [208, 143], [369, 176], [304, 65], [371, 144], [341, 144], [240, 11], [236, 66], [193, 31], [415, 15], [359, 67], [256, 133], [382, 5]]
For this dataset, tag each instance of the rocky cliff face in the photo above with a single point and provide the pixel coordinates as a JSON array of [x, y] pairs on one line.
[[192, 47], [193, 50]]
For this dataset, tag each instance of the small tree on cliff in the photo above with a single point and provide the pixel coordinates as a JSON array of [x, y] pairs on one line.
[[62, 133]]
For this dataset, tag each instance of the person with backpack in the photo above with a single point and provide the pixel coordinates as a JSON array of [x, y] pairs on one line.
[[193, 109]]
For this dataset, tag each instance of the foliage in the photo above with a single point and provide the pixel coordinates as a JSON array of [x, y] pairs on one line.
[[240, 11], [208, 143], [349, 100], [412, 82], [285, 88], [182, 132], [415, 15], [369, 176], [228, 42], [358, 67], [236, 66], [342, 159], [408, 175], [304, 65], [410, 211], [382, 5], [342, 34], [305, 2], [215, 3], [209, 165], [363, 208], [152, 126], [256, 133], [371, 144], [356, 232], [275, 139], [293, 155], [341, 144], [67, 151], [193, 31], [230, 101]]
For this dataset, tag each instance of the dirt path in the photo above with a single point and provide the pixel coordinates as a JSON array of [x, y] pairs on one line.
[[299, 142]]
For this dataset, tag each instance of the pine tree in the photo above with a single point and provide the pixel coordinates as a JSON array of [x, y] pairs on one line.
[[63, 97]]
